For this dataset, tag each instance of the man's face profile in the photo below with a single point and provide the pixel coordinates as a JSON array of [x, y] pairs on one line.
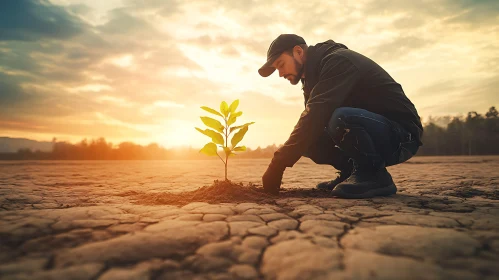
[[289, 67]]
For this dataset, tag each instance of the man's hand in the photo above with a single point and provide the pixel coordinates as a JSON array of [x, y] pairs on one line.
[[271, 179]]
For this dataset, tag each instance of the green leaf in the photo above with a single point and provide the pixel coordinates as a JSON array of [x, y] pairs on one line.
[[209, 149], [239, 149], [224, 108], [233, 106], [228, 152], [240, 126], [239, 136], [216, 137], [213, 124], [213, 111], [232, 120]]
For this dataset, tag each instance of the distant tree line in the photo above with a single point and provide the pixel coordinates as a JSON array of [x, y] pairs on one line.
[[100, 149], [474, 134]]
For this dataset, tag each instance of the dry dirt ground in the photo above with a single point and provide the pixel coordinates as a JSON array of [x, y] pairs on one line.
[[108, 220]]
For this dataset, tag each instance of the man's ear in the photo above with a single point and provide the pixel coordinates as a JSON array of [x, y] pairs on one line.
[[298, 51]]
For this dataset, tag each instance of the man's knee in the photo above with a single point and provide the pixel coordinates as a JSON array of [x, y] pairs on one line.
[[342, 115], [337, 125]]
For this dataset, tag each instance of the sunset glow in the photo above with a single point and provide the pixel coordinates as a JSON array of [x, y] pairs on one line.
[[139, 71]]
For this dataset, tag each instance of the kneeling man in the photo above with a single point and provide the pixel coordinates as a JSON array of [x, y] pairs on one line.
[[356, 117]]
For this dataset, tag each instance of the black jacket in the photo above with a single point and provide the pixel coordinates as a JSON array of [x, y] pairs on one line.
[[338, 77]]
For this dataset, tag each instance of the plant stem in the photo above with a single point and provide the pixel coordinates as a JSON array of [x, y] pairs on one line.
[[221, 158], [226, 145]]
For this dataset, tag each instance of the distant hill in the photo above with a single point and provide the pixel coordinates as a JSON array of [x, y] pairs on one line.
[[11, 145]]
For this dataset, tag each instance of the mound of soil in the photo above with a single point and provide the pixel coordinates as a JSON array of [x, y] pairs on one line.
[[222, 192]]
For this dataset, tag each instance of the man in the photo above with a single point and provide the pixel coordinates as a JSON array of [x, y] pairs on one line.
[[356, 117]]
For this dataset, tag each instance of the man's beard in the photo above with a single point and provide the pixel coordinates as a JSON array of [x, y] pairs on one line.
[[299, 68]]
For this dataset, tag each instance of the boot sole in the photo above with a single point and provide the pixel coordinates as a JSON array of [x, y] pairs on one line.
[[324, 189], [385, 191]]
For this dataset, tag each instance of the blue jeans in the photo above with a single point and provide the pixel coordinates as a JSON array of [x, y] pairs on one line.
[[367, 138]]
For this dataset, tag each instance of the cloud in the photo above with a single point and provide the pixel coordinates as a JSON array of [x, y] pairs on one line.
[[15, 59], [168, 104], [37, 101], [11, 92], [489, 63], [484, 93], [157, 8], [80, 9], [467, 12], [31, 20], [137, 65], [398, 47], [447, 86], [47, 79], [451, 97], [475, 13], [122, 22], [408, 22]]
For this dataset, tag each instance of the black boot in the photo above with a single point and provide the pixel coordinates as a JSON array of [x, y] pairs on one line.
[[329, 185], [366, 182]]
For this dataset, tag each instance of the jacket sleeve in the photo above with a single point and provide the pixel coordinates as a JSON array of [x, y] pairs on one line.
[[338, 77]]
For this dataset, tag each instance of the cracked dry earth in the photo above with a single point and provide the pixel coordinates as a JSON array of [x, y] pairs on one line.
[[70, 220]]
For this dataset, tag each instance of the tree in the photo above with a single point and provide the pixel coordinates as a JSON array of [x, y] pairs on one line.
[[492, 113]]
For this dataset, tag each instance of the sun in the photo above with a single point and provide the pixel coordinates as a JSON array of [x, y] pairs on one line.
[[181, 133]]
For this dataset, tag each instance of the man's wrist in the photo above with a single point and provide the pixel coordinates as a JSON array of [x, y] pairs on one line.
[[276, 166]]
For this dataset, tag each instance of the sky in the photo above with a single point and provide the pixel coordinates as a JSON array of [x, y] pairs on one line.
[[139, 70]]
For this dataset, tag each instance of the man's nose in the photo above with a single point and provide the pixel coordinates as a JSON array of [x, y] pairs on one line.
[[281, 74]]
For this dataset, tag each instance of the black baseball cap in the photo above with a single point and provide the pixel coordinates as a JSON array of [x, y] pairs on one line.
[[282, 43]]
